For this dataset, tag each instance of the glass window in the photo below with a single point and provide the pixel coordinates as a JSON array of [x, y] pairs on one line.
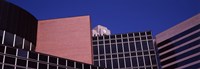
[[2, 49], [8, 67], [95, 50], [127, 54], [150, 44], [112, 36], [149, 37], [108, 62], [153, 58], [107, 48], [143, 38], [33, 55], [133, 54], [144, 45], [130, 34], [96, 63], [1, 36], [94, 43], [18, 42], [42, 66], [141, 62], [115, 63], [11, 51], [32, 64], [139, 53], [100, 42], [102, 63], [100, 37], [119, 47], [22, 53], [126, 48], [19, 68], [108, 56], [1, 58], [134, 61], [148, 33], [119, 40], [53, 60], [114, 56], [113, 46], [146, 52], [79, 65], [132, 46], [142, 33], [27, 45], [106, 37], [106, 41], [131, 39], [52, 67], [9, 39], [121, 63], [112, 41], [70, 63], [147, 60], [94, 38], [21, 62], [95, 57], [86, 66], [9, 60], [101, 49], [128, 62], [33, 47], [124, 35], [125, 40], [43, 57], [136, 34], [137, 38], [118, 36], [138, 45], [62, 61]]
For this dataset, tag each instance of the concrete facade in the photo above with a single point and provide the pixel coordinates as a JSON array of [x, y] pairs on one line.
[[66, 37]]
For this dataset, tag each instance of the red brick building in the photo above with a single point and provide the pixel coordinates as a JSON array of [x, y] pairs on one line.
[[66, 37]]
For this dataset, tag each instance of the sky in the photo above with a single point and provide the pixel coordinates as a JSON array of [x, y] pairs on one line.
[[120, 16]]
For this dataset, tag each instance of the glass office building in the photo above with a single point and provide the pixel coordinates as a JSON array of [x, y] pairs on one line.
[[18, 31], [125, 51], [179, 46]]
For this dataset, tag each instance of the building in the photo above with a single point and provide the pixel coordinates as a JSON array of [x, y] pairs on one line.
[[179, 46], [18, 30], [66, 37], [125, 51]]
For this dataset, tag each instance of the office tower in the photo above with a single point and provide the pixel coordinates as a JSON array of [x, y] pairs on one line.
[[66, 37], [100, 30], [125, 51], [18, 30], [179, 46]]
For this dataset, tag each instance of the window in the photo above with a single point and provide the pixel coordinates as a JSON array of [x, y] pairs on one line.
[[53, 60], [118, 36], [141, 62], [121, 63], [100, 37], [52, 67], [62, 61], [8, 67], [132, 46], [125, 40], [22, 53], [142, 33], [131, 39], [70, 63], [9, 60], [124, 35], [153, 58], [107, 49], [43, 57], [134, 62], [18, 42], [1, 58], [9, 39], [137, 38], [147, 60], [2, 49], [79, 65], [33, 55], [101, 49], [21, 62], [95, 50], [113, 46], [150, 44], [126, 48], [27, 45], [108, 62], [32, 64], [115, 63], [148, 33], [94, 38], [42, 66], [144, 45], [106, 37], [94, 43], [119, 40], [138, 46], [11, 51], [86, 66], [1, 36], [119, 47], [96, 63], [128, 62], [130, 34], [102, 63], [136, 34]]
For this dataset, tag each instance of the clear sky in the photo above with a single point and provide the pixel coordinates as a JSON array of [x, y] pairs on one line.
[[120, 16]]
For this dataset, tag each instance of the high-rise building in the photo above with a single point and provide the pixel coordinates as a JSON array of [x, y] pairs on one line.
[[125, 51], [18, 30], [179, 46]]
